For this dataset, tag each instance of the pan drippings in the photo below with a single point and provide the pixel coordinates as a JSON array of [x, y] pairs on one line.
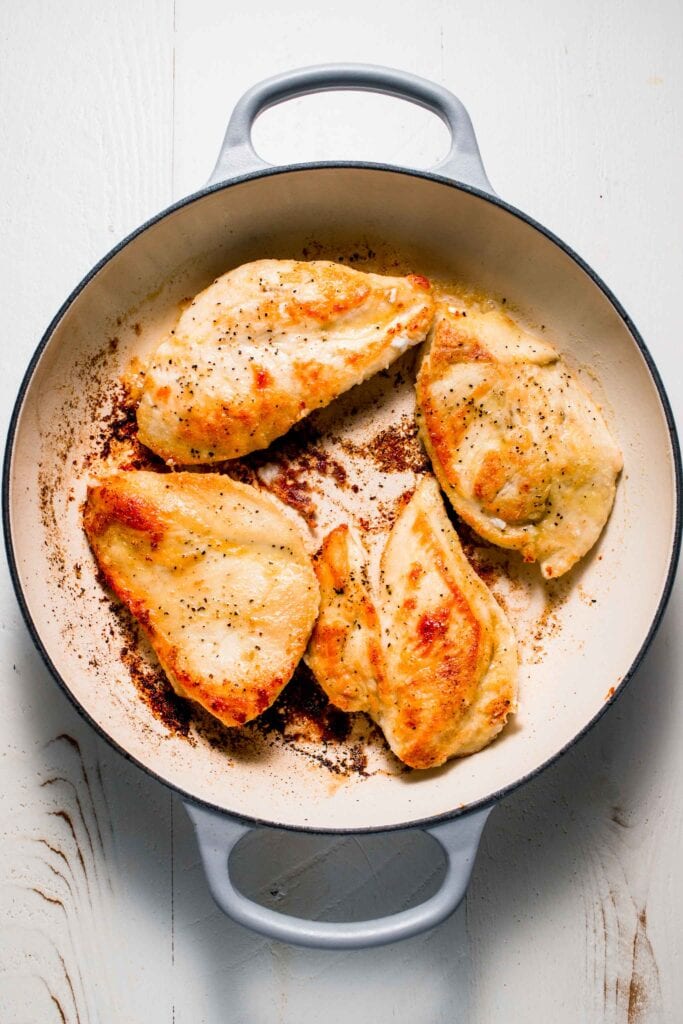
[[358, 460]]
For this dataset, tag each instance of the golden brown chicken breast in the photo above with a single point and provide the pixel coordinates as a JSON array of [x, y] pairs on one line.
[[217, 575], [518, 445], [266, 344], [427, 653]]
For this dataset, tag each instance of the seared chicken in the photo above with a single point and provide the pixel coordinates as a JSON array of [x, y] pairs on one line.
[[518, 445], [217, 575], [266, 344], [427, 653]]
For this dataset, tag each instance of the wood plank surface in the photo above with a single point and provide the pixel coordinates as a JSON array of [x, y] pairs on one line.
[[110, 111], [85, 839]]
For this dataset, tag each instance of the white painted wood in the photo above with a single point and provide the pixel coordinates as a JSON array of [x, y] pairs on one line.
[[85, 847], [574, 912]]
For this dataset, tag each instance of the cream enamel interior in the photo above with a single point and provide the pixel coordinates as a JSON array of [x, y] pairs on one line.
[[442, 231]]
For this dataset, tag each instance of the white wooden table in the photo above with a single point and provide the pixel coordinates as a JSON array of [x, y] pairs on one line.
[[111, 110]]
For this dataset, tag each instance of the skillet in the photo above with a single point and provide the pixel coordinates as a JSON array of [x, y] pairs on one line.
[[581, 642]]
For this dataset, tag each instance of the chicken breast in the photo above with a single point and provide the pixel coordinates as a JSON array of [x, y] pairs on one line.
[[266, 344], [217, 575], [428, 653], [518, 445]]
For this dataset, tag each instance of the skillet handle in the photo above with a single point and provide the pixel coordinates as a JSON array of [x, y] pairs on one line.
[[218, 834], [462, 163]]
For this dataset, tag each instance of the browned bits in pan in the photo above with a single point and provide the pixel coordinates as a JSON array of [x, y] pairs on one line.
[[396, 449]]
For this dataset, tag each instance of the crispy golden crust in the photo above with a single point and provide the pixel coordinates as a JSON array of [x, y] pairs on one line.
[[429, 655], [346, 651], [266, 344], [518, 445], [218, 577]]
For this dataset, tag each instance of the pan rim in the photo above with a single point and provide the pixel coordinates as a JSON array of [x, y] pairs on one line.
[[419, 823]]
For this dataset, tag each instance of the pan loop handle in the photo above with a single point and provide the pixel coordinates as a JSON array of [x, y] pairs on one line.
[[462, 163], [218, 834]]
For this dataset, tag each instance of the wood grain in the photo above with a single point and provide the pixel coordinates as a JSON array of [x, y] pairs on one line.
[[574, 913], [85, 868]]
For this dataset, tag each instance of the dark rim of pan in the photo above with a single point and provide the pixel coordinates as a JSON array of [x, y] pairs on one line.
[[486, 197]]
